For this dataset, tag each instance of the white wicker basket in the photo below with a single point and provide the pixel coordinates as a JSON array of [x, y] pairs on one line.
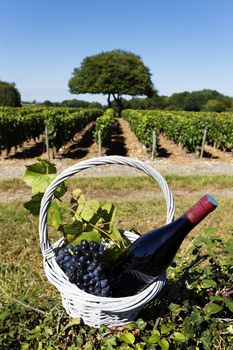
[[92, 309]]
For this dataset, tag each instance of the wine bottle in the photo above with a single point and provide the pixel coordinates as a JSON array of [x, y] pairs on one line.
[[152, 253]]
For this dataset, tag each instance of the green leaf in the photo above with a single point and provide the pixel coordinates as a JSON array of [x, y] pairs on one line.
[[61, 190], [78, 196], [108, 343], [54, 215], [128, 338], [88, 236], [43, 166], [37, 178], [177, 336], [212, 308], [73, 229], [141, 324], [34, 204], [115, 235], [208, 283], [108, 212], [228, 303], [90, 208], [175, 308], [154, 338], [140, 346], [165, 329], [164, 344], [206, 338], [196, 317]]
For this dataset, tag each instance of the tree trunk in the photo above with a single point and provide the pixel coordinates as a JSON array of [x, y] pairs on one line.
[[109, 101], [119, 105]]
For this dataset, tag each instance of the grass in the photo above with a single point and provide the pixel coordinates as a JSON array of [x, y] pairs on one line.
[[185, 182], [22, 279], [21, 270]]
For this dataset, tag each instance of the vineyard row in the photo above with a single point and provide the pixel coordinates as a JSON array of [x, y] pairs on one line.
[[184, 128], [18, 125]]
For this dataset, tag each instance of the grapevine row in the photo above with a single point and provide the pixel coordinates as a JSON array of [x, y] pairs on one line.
[[104, 125], [185, 128], [18, 125]]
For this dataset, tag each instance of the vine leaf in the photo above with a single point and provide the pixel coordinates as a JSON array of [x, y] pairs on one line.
[[115, 235], [54, 215], [73, 229], [88, 210], [108, 212], [93, 235], [39, 175], [33, 206]]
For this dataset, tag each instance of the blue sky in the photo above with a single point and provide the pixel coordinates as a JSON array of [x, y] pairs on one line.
[[187, 44]]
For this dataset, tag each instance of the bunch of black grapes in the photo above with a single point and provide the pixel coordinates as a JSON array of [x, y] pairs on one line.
[[82, 264]]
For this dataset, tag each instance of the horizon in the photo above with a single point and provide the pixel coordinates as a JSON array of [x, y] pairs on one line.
[[187, 46]]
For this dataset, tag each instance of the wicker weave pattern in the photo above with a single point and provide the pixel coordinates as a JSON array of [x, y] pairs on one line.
[[77, 303]]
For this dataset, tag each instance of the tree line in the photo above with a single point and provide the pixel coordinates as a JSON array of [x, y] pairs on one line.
[[118, 74]]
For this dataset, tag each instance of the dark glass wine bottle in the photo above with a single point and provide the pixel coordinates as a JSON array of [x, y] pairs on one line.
[[152, 253]]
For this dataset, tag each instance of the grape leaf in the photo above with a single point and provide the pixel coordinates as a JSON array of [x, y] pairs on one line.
[[89, 210], [34, 204], [108, 212], [39, 175], [115, 234], [43, 166], [61, 190], [54, 215], [78, 196], [88, 236], [73, 229]]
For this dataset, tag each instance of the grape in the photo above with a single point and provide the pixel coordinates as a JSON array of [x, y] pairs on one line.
[[82, 265]]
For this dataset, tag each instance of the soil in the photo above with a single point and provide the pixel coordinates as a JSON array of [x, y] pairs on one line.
[[170, 157]]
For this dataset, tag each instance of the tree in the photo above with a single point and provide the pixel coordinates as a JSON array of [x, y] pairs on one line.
[[113, 73], [197, 100], [9, 95], [214, 106]]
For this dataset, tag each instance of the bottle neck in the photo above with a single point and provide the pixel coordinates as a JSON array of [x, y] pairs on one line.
[[201, 209]]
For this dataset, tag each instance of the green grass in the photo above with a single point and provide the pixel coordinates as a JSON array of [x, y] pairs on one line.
[[188, 182], [21, 270], [23, 285]]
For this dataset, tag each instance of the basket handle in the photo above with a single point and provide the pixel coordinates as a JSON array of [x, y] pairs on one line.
[[90, 163]]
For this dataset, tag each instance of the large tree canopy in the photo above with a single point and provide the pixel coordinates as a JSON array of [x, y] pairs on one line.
[[9, 95], [113, 73]]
